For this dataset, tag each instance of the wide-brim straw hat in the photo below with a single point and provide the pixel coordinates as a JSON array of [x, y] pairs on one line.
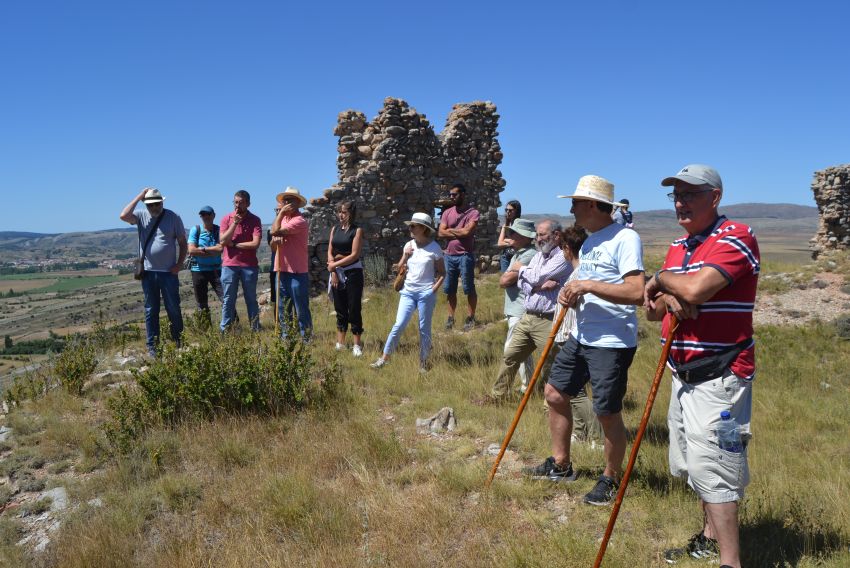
[[292, 192], [422, 219], [594, 188], [524, 227], [153, 196]]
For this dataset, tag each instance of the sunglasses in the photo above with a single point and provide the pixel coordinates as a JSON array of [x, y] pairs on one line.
[[685, 196], [204, 214]]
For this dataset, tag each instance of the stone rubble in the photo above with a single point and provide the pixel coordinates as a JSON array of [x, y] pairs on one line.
[[397, 165]]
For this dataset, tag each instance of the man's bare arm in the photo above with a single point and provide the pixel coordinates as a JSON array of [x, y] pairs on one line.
[[127, 214]]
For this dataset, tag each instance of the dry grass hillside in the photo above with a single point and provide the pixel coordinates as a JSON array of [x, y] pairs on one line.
[[346, 479]]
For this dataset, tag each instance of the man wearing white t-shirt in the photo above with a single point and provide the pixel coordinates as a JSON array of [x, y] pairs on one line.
[[603, 341]]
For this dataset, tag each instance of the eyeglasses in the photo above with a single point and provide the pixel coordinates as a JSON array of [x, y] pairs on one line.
[[686, 196], [204, 213]]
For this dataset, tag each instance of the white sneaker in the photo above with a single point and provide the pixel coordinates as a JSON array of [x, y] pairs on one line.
[[340, 346], [379, 363], [357, 351]]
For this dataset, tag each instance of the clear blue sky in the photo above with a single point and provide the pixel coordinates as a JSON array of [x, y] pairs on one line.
[[99, 99]]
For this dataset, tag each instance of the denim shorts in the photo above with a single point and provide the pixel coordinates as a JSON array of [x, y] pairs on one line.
[[606, 367], [462, 265]]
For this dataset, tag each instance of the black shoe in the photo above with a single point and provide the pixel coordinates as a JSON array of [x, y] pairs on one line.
[[699, 546], [450, 322], [469, 323], [603, 492], [551, 471]]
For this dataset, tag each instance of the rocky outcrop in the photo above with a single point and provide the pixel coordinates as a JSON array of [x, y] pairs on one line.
[[831, 188], [397, 165]]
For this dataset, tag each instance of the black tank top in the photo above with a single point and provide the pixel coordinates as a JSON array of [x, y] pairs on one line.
[[343, 241]]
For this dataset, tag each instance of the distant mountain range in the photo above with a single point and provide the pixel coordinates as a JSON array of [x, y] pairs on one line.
[[108, 243]]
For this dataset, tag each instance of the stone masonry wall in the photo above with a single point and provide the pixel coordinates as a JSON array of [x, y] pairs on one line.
[[396, 165], [831, 188]]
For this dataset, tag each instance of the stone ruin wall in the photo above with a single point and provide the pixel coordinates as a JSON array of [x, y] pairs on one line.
[[397, 165], [831, 188]]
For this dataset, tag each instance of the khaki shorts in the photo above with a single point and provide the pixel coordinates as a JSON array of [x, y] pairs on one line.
[[716, 475]]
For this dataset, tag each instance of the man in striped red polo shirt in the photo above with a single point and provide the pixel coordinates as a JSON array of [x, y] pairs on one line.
[[708, 281]]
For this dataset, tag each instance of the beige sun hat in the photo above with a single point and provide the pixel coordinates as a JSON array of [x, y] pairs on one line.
[[152, 195], [292, 192], [594, 188], [421, 219]]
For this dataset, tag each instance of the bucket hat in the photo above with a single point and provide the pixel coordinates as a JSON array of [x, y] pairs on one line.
[[524, 227], [292, 192], [594, 188]]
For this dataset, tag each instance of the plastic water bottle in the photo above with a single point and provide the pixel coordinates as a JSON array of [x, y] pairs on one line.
[[729, 433]]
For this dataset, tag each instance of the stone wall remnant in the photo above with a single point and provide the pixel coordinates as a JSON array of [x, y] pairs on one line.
[[396, 165], [831, 188]]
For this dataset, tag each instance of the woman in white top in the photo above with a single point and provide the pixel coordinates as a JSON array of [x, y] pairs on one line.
[[425, 273]]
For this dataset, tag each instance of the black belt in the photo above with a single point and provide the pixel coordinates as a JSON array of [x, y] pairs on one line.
[[546, 315]]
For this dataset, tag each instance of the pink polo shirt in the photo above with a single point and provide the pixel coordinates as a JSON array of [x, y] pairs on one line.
[[292, 252], [250, 227]]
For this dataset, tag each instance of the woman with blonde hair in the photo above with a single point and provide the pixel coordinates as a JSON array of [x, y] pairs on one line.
[[426, 271]]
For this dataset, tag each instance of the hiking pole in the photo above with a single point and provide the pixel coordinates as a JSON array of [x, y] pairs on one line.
[[277, 301], [529, 389], [653, 390]]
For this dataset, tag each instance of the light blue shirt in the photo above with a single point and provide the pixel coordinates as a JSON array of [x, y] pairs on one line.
[[514, 298], [606, 256], [162, 252]]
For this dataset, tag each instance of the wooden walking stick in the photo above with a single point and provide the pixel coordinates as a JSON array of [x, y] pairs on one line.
[[653, 390], [277, 301], [540, 362]]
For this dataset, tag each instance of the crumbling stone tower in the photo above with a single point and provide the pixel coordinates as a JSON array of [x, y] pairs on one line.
[[831, 188], [396, 165]]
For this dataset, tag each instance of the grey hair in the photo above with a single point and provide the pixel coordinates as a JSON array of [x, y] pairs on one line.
[[554, 225]]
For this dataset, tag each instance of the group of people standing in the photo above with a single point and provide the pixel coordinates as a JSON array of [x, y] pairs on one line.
[[224, 259], [593, 270], [221, 258]]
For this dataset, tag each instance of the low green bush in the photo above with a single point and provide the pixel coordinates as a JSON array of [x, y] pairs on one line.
[[842, 326], [231, 374], [75, 364]]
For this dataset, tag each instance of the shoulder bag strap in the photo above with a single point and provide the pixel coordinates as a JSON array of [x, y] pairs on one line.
[[150, 235]]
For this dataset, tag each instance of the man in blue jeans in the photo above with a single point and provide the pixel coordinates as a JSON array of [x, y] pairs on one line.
[[457, 224], [163, 237], [289, 241], [241, 233]]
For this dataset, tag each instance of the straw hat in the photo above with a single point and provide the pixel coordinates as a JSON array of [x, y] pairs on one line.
[[594, 188], [421, 219], [153, 195], [292, 192]]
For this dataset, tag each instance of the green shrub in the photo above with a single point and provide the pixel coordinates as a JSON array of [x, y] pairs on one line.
[[842, 326], [75, 364], [236, 374]]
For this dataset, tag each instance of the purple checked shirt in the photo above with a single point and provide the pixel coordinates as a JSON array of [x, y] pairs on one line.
[[542, 268]]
